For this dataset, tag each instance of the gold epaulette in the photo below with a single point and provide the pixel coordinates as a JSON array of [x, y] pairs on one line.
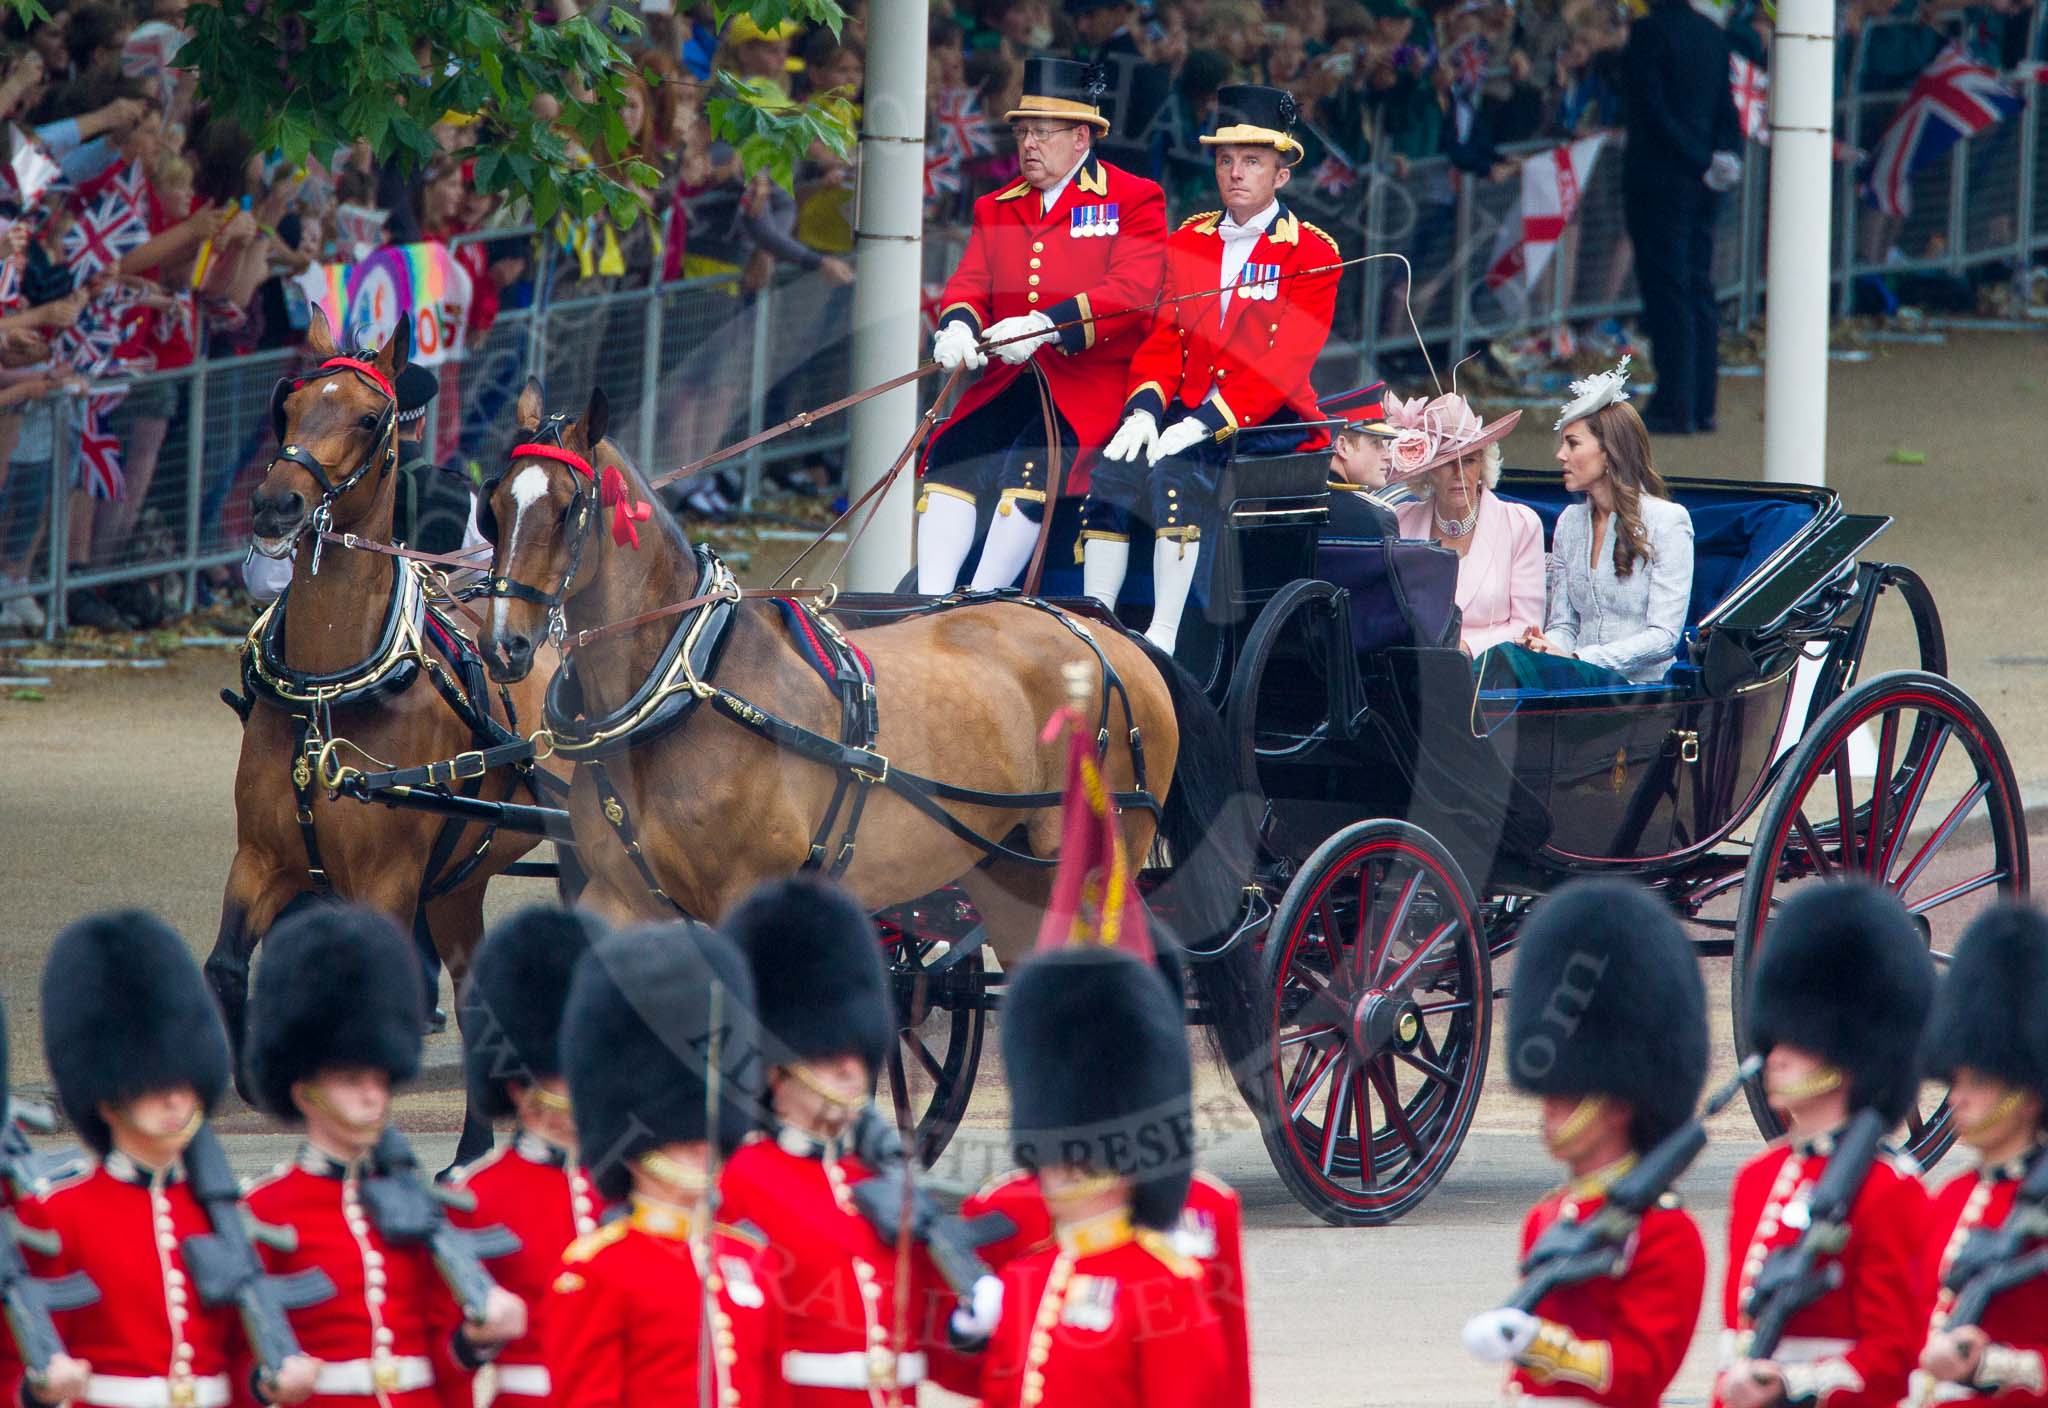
[[589, 1245], [1161, 1248], [1210, 216], [1327, 238]]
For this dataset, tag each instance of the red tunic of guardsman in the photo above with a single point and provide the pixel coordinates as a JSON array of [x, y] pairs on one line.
[[1988, 1037], [335, 1024], [131, 1032], [624, 1323], [1060, 258], [1618, 1061], [533, 1185], [826, 1023], [1840, 995], [1215, 368]]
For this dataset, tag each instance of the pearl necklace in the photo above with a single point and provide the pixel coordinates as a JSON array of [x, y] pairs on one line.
[[1456, 527]]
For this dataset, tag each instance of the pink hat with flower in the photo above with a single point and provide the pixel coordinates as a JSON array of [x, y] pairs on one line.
[[1432, 433]]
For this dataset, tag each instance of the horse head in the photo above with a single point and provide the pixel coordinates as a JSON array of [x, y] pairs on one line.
[[540, 515], [337, 431]]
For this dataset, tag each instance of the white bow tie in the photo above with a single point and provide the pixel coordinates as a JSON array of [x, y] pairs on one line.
[[1238, 234]]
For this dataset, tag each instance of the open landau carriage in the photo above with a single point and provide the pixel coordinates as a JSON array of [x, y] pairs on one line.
[[1410, 821]]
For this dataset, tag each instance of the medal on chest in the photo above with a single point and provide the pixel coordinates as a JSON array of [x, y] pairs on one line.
[[1090, 1304], [1194, 1236], [1092, 221], [1260, 281], [740, 1286]]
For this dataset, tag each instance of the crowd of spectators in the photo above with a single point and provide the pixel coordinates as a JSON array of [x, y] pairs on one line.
[[1439, 87]]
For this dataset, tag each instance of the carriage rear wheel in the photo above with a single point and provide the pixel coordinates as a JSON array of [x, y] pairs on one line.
[[941, 1018], [1378, 971], [1938, 822]]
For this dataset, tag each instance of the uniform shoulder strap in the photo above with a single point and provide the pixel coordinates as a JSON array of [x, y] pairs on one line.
[[1206, 220], [1326, 237], [590, 1244], [743, 1232], [1160, 1247]]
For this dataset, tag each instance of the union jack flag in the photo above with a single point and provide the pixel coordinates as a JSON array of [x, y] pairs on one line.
[[99, 449], [1752, 89], [961, 125], [1954, 98], [10, 280], [109, 224], [1334, 175], [105, 329], [941, 171]]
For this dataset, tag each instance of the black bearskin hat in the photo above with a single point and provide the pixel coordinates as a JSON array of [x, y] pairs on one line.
[[1607, 1000], [511, 1011], [817, 964], [1845, 974], [1096, 1049], [1991, 1009], [337, 985], [126, 1012], [635, 1039]]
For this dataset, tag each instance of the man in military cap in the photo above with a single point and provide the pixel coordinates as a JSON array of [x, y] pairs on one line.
[[334, 1025], [534, 1184], [624, 1325], [1057, 260], [1214, 370], [1988, 1038], [1607, 1023], [1358, 464], [1837, 1005]]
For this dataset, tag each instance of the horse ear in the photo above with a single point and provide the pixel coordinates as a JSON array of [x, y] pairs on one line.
[[397, 351], [320, 337], [529, 409], [596, 417]]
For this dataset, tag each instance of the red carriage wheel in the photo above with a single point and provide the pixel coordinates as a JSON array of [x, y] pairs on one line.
[[1938, 822], [941, 1016], [1377, 968]]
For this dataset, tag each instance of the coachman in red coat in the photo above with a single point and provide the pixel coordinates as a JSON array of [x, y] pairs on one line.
[[1989, 1038], [1058, 259], [1214, 369], [1607, 1022]]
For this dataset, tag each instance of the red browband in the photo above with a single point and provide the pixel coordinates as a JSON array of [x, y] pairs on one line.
[[556, 453], [351, 364]]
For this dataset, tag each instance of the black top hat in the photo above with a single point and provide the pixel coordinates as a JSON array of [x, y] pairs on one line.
[[511, 1005], [1607, 1000], [1364, 410], [1062, 89], [1251, 115], [1991, 1012]]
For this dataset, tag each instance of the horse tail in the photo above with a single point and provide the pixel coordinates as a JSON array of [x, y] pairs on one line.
[[1209, 825]]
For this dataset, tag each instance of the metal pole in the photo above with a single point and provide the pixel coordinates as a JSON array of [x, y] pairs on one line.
[[1461, 269], [889, 252], [650, 369], [1796, 336], [195, 480], [1746, 224], [762, 319], [63, 467], [536, 312]]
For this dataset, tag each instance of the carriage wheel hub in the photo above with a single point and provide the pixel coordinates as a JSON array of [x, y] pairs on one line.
[[1384, 1021]]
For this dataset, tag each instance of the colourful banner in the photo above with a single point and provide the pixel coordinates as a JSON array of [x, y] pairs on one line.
[[417, 281]]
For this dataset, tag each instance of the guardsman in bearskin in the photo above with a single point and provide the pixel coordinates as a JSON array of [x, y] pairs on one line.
[[1100, 1105], [1058, 259], [1214, 370], [1989, 1039], [334, 1025], [625, 1321], [826, 1023], [534, 1185], [1837, 1005], [1607, 1022], [135, 1046]]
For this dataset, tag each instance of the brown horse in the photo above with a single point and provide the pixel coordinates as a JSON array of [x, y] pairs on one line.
[[356, 618], [962, 693]]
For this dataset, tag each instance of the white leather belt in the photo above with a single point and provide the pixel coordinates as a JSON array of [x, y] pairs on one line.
[[525, 1380], [1793, 1349], [399, 1373], [851, 1370], [117, 1391]]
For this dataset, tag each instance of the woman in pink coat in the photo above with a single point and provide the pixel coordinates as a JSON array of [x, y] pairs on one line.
[[1450, 460]]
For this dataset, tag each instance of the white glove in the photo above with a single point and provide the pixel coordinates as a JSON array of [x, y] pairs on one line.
[[1138, 433], [978, 1319], [1183, 434], [1019, 352], [1724, 172], [955, 347], [1496, 1336]]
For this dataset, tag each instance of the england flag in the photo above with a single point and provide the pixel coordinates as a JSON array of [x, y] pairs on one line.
[[1955, 98]]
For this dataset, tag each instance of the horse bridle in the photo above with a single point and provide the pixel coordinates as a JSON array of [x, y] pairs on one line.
[[384, 435], [583, 479]]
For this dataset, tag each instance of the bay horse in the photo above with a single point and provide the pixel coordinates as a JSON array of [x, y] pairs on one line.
[[351, 651], [691, 815]]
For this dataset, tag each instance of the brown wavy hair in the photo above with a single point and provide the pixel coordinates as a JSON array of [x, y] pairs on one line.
[[1619, 432]]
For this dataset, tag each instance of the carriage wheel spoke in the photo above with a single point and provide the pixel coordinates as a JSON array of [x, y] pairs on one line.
[[1429, 1067], [1916, 793], [1306, 1034], [1956, 891], [899, 1091], [1430, 1009], [1390, 1097], [1812, 843], [1334, 1115], [1881, 789], [1934, 843], [1315, 1082], [925, 1058], [1845, 805], [1415, 960], [1397, 921], [1333, 941], [1368, 1173]]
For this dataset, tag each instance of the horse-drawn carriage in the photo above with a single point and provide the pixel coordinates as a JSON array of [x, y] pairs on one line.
[[1398, 821]]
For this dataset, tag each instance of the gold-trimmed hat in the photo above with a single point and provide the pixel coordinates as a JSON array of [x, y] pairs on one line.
[[1062, 88], [1252, 115]]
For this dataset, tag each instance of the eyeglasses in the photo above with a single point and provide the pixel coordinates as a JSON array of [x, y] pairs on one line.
[[1026, 132]]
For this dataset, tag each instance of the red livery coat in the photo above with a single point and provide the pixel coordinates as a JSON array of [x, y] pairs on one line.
[[1210, 1233], [1022, 259], [837, 1277], [1240, 369], [388, 1304], [1124, 1325], [126, 1230], [2016, 1320], [623, 1320], [1877, 1310], [1634, 1328], [527, 1187]]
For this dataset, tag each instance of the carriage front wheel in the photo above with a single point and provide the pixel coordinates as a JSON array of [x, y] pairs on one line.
[[1377, 968], [1937, 821]]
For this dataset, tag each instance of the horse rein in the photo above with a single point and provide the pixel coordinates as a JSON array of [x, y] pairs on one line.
[[384, 434], [552, 448]]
